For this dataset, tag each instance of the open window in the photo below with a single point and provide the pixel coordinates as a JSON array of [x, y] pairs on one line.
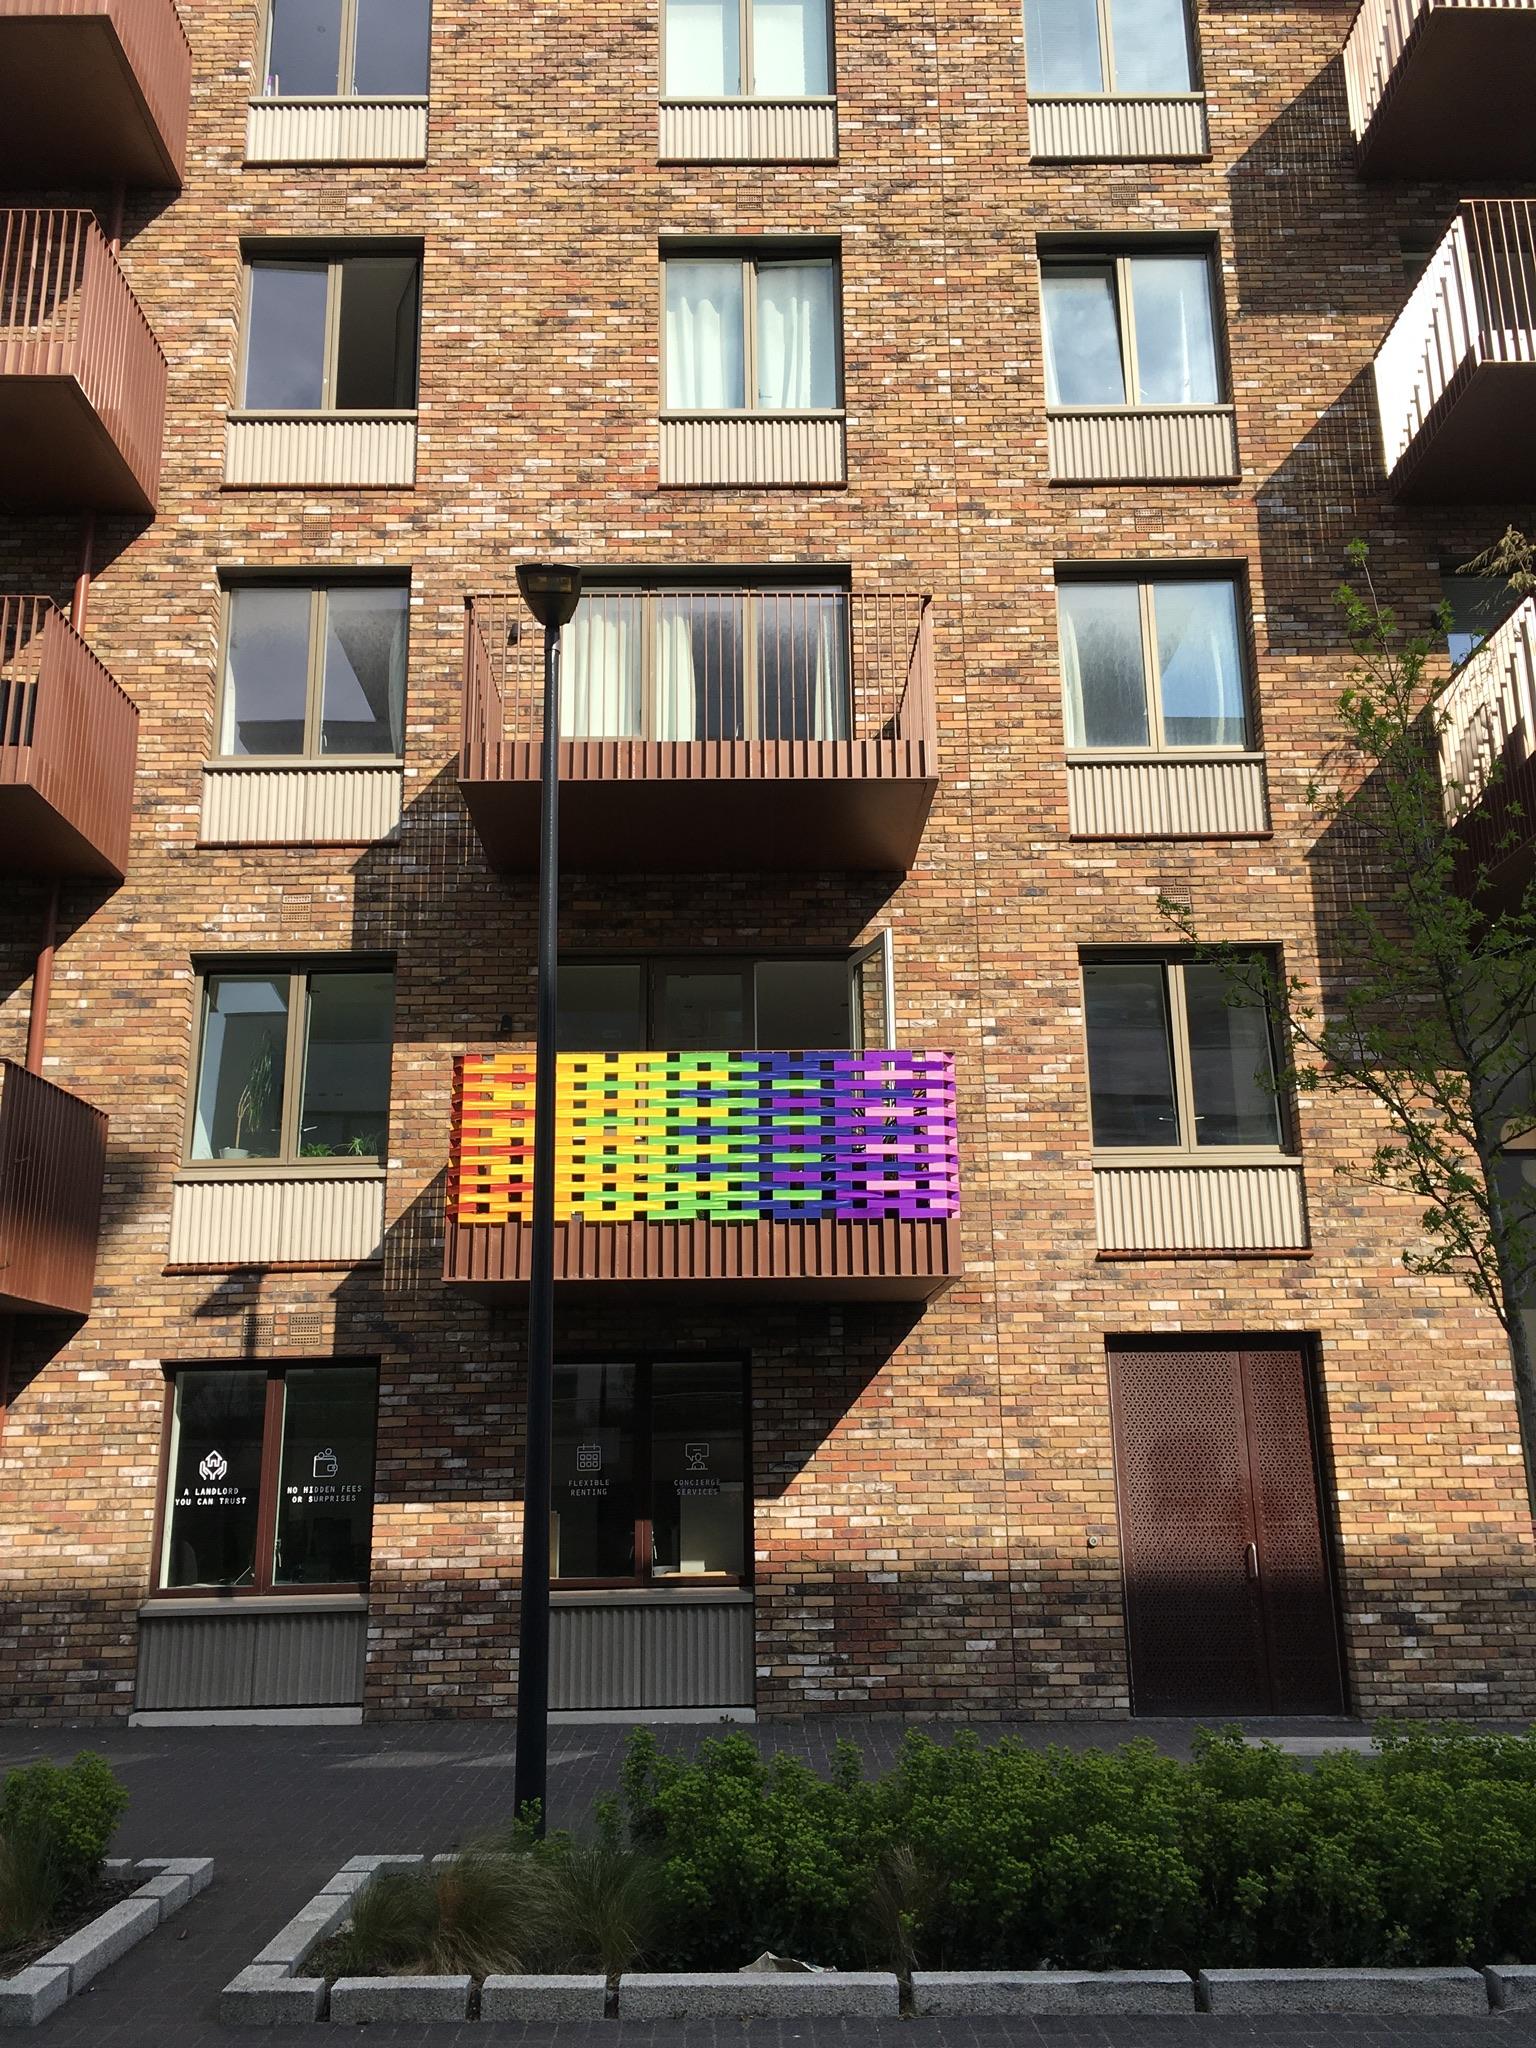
[[332, 332]]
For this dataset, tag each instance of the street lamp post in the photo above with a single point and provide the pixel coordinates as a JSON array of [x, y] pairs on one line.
[[550, 591]]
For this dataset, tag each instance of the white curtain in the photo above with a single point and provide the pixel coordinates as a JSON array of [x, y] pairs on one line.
[[829, 697], [1072, 675], [789, 49], [601, 676], [1175, 334], [703, 53], [796, 353], [673, 713], [706, 370]]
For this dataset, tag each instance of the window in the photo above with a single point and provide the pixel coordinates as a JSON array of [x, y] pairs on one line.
[[714, 1005], [1134, 329], [1479, 605], [293, 1064], [332, 334], [747, 333], [649, 1472], [707, 665], [269, 1478], [747, 49], [1179, 1058], [314, 672], [1108, 46], [348, 49], [1154, 664]]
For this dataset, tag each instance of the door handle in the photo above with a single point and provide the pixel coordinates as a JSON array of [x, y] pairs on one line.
[[1251, 1561]]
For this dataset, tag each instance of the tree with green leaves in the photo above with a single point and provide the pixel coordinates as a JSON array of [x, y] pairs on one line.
[[1426, 1003]]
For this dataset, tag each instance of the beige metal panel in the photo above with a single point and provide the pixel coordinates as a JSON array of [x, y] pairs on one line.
[[349, 451], [1199, 1208], [297, 806], [261, 1219], [1176, 444], [667, 1655], [204, 1662], [1211, 797], [748, 131], [763, 448], [1099, 127], [336, 131]]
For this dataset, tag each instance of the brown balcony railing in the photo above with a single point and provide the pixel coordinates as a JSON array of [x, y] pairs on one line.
[[71, 328], [1441, 88], [1456, 376], [68, 737], [1487, 733], [709, 727], [53, 1150], [93, 90]]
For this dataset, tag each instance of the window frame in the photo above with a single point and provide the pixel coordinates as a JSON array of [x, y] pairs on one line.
[[749, 92], [1188, 1151], [334, 261], [310, 754], [263, 1586], [654, 965], [643, 1578], [287, 1160], [1116, 258], [1145, 577], [1104, 12], [346, 83], [751, 256]]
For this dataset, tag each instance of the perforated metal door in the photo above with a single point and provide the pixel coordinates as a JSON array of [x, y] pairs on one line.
[[1228, 1601]]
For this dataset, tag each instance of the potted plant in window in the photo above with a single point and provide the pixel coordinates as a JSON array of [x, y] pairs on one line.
[[363, 1145], [255, 1098]]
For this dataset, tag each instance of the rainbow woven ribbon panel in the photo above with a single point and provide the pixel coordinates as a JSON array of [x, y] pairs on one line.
[[720, 1137]]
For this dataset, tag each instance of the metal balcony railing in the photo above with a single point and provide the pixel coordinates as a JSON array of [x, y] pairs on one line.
[[1438, 88], [52, 1160], [1486, 720]]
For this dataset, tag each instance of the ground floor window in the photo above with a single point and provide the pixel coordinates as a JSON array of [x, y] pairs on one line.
[[650, 1472], [269, 1477]]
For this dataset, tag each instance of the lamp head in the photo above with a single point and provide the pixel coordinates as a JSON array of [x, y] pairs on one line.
[[550, 590]]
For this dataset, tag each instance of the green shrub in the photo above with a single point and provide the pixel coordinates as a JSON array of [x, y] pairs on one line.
[[64, 1816]]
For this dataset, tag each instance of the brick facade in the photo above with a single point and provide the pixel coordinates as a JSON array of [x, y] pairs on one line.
[[935, 1519]]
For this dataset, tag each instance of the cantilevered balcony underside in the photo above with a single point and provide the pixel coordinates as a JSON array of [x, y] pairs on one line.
[[68, 738], [709, 730], [809, 1176], [92, 92], [52, 1161], [1443, 88], [1456, 376], [82, 378]]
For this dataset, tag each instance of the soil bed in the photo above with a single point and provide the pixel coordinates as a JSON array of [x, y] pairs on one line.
[[15, 1956]]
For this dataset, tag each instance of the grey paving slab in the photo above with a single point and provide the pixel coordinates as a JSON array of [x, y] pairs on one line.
[[543, 1998], [967, 1994], [1304, 1992]]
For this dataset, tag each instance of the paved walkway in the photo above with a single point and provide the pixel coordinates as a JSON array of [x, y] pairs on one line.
[[282, 1808]]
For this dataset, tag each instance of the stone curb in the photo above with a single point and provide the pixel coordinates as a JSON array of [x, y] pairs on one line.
[[400, 1998], [733, 1995], [971, 1994], [68, 1967], [1343, 1991], [269, 1989], [543, 1998], [1511, 1986]]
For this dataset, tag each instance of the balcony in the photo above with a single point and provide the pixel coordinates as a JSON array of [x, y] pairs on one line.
[[806, 1176], [93, 92], [68, 736], [1456, 377], [1442, 88], [1487, 735], [82, 378], [708, 730], [52, 1159]]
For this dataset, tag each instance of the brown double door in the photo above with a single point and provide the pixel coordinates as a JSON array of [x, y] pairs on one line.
[[1229, 1596]]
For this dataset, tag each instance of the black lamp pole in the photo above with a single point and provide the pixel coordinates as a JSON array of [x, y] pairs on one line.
[[550, 591]]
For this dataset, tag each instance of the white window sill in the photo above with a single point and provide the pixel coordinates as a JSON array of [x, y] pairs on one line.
[[336, 1167]]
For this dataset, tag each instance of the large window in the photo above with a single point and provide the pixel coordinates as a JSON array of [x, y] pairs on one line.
[[1180, 1058], [269, 1478], [332, 333], [706, 664], [293, 1064], [752, 49], [697, 1005], [751, 333], [650, 1472], [348, 49], [1108, 46], [314, 672], [1132, 329], [1155, 664]]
